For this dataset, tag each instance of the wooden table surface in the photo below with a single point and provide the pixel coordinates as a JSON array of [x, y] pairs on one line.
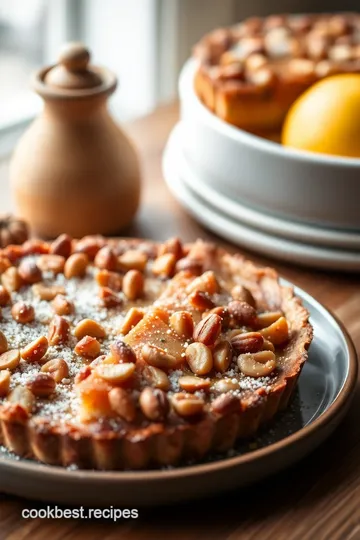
[[318, 499]]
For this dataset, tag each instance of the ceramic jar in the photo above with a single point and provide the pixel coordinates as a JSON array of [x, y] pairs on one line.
[[74, 170]]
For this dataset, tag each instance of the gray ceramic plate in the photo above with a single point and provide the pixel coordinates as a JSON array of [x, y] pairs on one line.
[[324, 392]]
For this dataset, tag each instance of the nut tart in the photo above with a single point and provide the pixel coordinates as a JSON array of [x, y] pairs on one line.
[[250, 74], [127, 354]]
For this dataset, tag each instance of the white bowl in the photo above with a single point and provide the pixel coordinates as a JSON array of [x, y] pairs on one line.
[[303, 186]]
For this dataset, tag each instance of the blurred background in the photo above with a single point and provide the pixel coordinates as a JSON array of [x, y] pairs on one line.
[[145, 42]]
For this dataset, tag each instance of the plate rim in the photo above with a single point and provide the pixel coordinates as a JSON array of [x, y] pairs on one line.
[[85, 476]]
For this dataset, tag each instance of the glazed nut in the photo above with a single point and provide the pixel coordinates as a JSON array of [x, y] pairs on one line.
[[201, 301], [182, 323], [22, 313], [76, 265], [89, 327], [191, 266], [157, 357], [225, 385], [132, 318], [190, 383], [47, 292], [242, 313], [187, 405], [154, 404], [133, 259], [222, 356], [277, 332], [133, 284], [29, 271], [112, 280], [90, 245], [267, 318], [4, 296], [83, 374], [259, 364], [10, 359], [5, 263], [11, 279], [225, 404], [268, 346], [88, 347], [116, 373], [239, 292], [62, 245], [59, 330], [207, 283], [43, 385], [161, 313], [199, 358], [174, 246], [5, 378], [122, 404], [57, 368], [106, 259], [208, 329], [248, 342], [62, 305], [121, 352], [109, 298], [156, 377], [164, 265], [51, 263], [3, 343], [22, 396], [35, 350]]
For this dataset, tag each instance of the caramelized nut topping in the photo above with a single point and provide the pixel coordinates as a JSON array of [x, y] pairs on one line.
[[5, 263], [35, 350], [29, 271], [156, 377], [268, 346], [201, 301], [43, 385], [90, 245], [88, 327], [242, 312], [208, 329], [106, 259], [76, 265], [3, 343], [267, 318], [51, 263], [222, 356], [192, 266], [59, 330], [112, 280], [174, 246], [22, 313], [187, 404], [88, 347], [132, 259], [109, 298], [154, 404], [241, 293], [133, 284], [225, 385], [199, 358], [62, 245], [207, 283], [5, 379], [62, 305], [225, 404], [23, 397], [164, 265], [122, 404], [116, 373], [222, 311], [11, 279], [10, 359], [190, 383], [157, 357], [182, 323], [47, 293], [248, 342], [277, 332], [121, 352], [259, 364], [57, 368], [4, 296], [132, 318]]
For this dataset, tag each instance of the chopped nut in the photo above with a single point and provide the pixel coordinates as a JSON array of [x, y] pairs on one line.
[[47, 292], [174, 246], [164, 265], [157, 357], [208, 329], [156, 377], [201, 301], [76, 265], [187, 405], [22, 313], [23, 397], [154, 404], [222, 356], [109, 298], [10, 359], [199, 358], [57, 368], [29, 271], [278, 332], [43, 385], [121, 352], [3, 343], [207, 283], [160, 312], [59, 329], [5, 378], [133, 284], [239, 292], [51, 263], [35, 350], [132, 318], [11, 279], [122, 404], [190, 383], [62, 306], [182, 323], [247, 342], [106, 259], [132, 259], [116, 373], [259, 364], [88, 347], [242, 313], [89, 327], [112, 280], [267, 318], [62, 245], [4, 296]]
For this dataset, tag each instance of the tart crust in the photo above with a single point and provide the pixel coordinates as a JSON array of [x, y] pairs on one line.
[[99, 446]]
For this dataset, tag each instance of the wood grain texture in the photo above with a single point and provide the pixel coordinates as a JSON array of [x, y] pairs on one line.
[[318, 499]]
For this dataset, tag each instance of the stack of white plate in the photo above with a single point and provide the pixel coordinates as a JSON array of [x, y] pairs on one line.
[[294, 206]]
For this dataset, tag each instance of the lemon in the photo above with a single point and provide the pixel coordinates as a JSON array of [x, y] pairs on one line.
[[326, 118]]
